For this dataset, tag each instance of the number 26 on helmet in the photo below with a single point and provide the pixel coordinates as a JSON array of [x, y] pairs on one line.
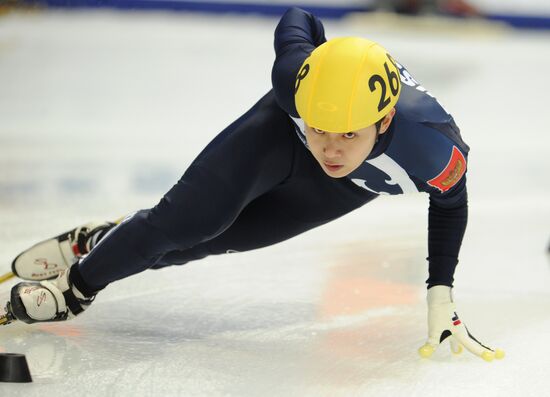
[[346, 84]]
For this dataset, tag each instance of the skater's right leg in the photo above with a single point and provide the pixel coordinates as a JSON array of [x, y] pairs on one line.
[[249, 158]]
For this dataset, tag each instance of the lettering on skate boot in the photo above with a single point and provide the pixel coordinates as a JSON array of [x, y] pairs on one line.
[[45, 301], [45, 260]]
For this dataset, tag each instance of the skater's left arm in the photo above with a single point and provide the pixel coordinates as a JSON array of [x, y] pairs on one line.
[[447, 219], [448, 215]]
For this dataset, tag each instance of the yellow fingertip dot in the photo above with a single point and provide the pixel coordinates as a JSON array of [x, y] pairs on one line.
[[488, 356], [426, 351], [458, 351], [499, 354]]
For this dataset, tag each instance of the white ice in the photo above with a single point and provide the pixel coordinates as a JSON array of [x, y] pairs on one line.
[[100, 113]]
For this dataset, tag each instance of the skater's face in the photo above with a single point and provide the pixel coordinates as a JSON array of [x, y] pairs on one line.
[[341, 153]]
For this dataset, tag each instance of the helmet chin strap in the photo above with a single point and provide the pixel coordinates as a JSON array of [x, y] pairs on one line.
[[378, 133]]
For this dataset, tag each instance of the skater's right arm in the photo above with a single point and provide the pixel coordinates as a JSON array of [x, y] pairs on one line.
[[296, 36]]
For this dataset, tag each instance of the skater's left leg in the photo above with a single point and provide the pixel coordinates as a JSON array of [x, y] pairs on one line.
[[308, 199], [42, 301], [264, 222]]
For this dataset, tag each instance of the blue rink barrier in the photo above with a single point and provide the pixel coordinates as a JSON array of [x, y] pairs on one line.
[[518, 21], [522, 21], [212, 7]]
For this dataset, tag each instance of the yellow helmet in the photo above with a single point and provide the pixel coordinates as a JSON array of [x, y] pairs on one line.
[[346, 84]]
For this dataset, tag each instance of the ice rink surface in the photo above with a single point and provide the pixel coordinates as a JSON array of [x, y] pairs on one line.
[[101, 112]]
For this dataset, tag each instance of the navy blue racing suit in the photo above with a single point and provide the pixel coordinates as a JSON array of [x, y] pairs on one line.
[[257, 184]]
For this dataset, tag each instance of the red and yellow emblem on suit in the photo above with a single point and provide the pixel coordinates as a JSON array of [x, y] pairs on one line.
[[455, 168]]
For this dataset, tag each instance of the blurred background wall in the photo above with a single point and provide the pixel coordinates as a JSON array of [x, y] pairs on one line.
[[518, 13]]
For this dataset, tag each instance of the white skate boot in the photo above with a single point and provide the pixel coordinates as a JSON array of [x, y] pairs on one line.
[[45, 301], [48, 258]]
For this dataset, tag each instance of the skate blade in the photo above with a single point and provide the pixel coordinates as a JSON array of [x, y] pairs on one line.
[[6, 277], [7, 317]]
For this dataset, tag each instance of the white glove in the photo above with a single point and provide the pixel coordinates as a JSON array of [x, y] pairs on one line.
[[444, 322]]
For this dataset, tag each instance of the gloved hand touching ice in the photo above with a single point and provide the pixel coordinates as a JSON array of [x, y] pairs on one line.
[[444, 322]]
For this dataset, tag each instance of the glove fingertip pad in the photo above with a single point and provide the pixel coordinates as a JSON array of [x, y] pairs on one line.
[[426, 351]]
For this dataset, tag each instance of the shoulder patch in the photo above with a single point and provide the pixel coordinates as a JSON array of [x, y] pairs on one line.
[[455, 168]]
